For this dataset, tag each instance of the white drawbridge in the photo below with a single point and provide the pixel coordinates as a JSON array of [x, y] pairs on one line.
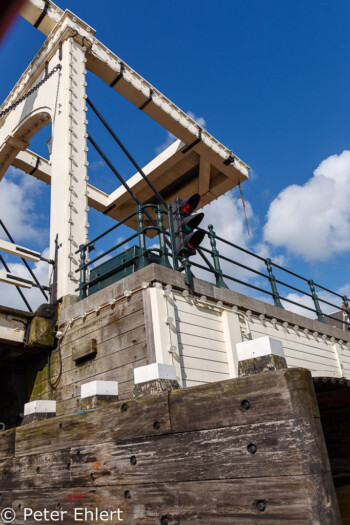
[[53, 89]]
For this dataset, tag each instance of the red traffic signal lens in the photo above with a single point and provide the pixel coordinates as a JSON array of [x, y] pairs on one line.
[[186, 210], [194, 239], [187, 206]]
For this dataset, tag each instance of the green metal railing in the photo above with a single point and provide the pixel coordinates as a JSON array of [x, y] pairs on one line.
[[166, 239], [220, 278], [141, 258]]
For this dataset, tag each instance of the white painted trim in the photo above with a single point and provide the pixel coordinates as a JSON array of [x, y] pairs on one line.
[[173, 347], [259, 347], [232, 334], [99, 388], [40, 407], [160, 329], [154, 371], [338, 358]]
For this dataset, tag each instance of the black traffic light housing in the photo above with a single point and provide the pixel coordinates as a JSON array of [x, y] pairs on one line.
[[187, 239]]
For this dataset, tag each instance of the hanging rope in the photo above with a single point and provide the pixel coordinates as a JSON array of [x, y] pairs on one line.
[[243, 204]]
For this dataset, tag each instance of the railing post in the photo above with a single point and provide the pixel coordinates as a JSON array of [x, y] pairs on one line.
[[346, 304], [143, 260], [316, 301], [188, 274], [164, 260], [215, 255], [82, 267], [172, 239], [272, 279]]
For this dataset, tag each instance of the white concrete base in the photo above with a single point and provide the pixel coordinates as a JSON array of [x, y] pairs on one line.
[[99, 388], [40, 407], [154, 371], [259, 347]]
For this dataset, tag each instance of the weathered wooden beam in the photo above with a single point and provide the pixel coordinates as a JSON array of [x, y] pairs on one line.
[[299, 499], [123, 420], [252, 399], [204, 176]]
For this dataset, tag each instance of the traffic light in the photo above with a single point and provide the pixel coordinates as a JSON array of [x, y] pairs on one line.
[[187, 238]]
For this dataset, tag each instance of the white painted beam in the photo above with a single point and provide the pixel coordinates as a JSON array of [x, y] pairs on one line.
[[17, 280], [11, 329], [20, 251], [27, 161], [34, 164]]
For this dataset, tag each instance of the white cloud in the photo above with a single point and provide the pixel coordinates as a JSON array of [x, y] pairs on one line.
[[200, 120], [307, 301], [313, 220], [97, 164], [227, 216], [18, 199], [170, 138]]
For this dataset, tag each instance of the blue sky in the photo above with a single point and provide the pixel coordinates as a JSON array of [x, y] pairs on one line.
[[271, 81]]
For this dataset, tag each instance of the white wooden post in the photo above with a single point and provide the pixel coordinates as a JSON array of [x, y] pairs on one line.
[[338, 356], [165, 337], [68, 221], [233, 335]]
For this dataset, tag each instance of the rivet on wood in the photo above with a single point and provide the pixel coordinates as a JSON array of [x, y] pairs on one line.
[[252, 448], [60, 425], [68, 466], [38, 470], [59, 506], [124, 407], [92, 476], [133, 460], [127, 494], [19, 506], [261, 505], [156, 425], [164, 520], [245, 404]]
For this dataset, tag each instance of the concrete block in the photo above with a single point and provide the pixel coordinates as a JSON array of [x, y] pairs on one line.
[[99, 388], [38, 410], [153, 372], [262, 346], [40, 407]]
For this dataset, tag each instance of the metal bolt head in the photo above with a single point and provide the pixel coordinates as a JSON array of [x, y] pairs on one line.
[[252, 448], [164, 520], [245, 404], [261, 505], [133, 460]]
